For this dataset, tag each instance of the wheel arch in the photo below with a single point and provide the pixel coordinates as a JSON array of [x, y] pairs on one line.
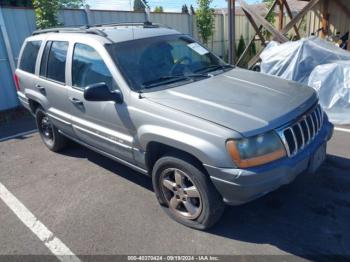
[[34, 105], [155, 150], [155, 140]]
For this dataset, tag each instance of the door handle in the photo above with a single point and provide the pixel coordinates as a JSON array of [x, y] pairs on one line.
[[40, 88], [76, 101]]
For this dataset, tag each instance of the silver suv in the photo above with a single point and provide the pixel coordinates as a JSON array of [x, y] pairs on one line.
[[159, 102]]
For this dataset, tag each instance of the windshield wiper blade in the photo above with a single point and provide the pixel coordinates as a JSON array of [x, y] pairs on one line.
[[180, 76], [170, 79], [213, 68], [163, 80], [197, 75]]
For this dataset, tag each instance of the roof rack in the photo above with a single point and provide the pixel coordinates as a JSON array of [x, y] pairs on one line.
[[93, 29], [83, 29], [144, 24]]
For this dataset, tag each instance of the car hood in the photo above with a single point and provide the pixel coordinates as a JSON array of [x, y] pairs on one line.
[[242, 100]]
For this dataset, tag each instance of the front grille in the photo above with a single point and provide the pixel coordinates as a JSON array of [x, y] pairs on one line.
[[299, 134]]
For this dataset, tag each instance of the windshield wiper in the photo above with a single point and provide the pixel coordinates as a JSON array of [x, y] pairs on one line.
[[213, 68], [163, 80]]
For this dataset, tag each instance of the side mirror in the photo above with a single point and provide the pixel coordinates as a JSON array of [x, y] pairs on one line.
[[101, 92]]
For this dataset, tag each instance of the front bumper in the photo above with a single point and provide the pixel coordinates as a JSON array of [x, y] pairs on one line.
[[239, 186]]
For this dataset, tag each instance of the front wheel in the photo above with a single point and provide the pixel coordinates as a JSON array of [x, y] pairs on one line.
[[48, 132], [185, 192]]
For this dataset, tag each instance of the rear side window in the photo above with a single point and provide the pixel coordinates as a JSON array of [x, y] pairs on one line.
[[45, 56], [89, 68], [30, 53], [56, 61]]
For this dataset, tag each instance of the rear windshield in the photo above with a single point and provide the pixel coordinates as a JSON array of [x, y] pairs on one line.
[[30, 53]]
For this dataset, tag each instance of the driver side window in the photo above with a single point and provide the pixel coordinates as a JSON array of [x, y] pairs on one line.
[[89, 68]]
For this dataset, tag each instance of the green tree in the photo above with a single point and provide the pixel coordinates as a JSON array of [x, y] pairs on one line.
[[46, 13], [241, 46], [139, 6], [158, 9], [205, 20], [253, 49], [184, 9], [192, 10]]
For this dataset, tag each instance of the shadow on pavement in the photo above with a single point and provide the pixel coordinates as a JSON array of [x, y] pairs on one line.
[[24, 124], [79, 151], [309, 218]]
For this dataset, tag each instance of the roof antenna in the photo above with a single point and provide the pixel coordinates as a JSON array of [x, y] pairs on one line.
[[88, 15], [140, 94], [147, 13]]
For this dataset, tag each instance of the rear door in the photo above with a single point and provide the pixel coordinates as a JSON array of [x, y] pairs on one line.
[[103, 125], [52, 83], [25, 73]]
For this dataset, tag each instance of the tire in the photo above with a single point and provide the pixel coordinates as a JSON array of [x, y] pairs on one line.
[[206, 205], [48, 132]]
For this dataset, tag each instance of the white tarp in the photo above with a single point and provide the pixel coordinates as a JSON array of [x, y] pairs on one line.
[[317, 63], [332, 82]]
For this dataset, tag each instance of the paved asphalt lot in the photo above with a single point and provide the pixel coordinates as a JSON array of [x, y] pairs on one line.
[[97, 206]]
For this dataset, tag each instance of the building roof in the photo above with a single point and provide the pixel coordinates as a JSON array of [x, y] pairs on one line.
[[295, 6], [258, 8]]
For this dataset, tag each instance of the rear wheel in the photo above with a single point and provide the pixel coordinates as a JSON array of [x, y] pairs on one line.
[[48, 132], [185, 192]]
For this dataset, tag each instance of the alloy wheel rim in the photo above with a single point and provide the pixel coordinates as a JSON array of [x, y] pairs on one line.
[[181, 193], [46, 128]]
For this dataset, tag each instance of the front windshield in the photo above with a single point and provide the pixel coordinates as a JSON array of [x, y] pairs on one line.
[[163, 60]]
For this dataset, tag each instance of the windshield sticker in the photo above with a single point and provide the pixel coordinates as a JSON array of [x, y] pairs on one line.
[[198, 49]]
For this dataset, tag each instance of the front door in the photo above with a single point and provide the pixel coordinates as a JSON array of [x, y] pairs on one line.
[[52, 83], [100, 124]]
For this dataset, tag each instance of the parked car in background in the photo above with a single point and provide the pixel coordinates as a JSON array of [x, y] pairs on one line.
[[159, 102]]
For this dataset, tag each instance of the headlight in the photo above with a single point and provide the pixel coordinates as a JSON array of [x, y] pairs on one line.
[[255, 151]]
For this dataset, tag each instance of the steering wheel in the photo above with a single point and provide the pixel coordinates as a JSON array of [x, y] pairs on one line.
[[179, 62]]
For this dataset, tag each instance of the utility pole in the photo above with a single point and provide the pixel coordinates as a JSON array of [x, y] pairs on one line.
[[325, 18], [231, 6], [280, 15]]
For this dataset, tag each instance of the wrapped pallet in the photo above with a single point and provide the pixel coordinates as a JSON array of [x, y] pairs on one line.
[[316, 63]]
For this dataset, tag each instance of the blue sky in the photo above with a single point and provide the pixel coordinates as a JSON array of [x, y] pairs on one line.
[[168, 5]]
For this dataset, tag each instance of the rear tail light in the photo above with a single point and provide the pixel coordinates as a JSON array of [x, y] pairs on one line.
[[16, 81]]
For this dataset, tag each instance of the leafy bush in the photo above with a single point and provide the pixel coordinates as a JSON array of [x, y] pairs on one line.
[[46, 13], [241, 46]]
